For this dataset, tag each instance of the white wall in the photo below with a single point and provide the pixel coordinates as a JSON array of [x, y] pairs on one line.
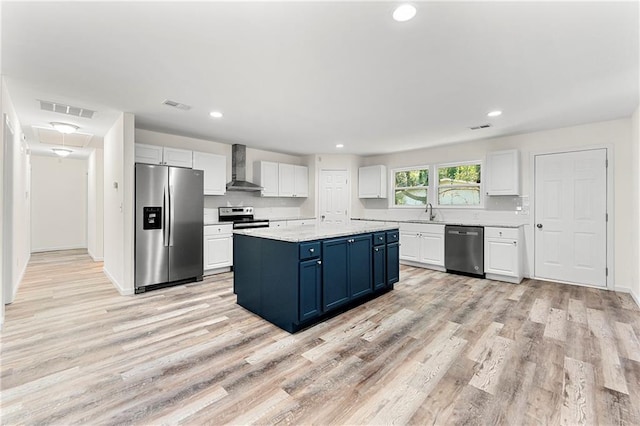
[[616, 133], [16, 202], [118, 204], [95, 205], [635, 211], [58, 203]]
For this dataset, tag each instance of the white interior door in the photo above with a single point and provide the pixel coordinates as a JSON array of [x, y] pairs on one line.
[[570, 217], [334, 196]]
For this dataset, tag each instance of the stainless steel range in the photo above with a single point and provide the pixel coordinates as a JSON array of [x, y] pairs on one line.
[[242, 217]]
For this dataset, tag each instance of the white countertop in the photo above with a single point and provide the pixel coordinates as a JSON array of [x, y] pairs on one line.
[[296, 234], [437, 222]]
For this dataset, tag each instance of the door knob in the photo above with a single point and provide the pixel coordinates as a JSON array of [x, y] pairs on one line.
[[539, 226]]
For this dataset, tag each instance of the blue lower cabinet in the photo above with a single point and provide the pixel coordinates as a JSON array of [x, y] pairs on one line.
[[310, 293], [294, 285], [335, 273], [379, 267], [393, 263], [360, 266]]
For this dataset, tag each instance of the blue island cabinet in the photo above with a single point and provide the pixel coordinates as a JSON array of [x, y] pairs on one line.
[[294, 285]]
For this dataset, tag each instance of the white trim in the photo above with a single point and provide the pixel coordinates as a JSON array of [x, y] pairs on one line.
[[59, 248], [392, 186], [215, 271], [20, 278], [635, 298], [95, 258], [116, 284], [610, 261]]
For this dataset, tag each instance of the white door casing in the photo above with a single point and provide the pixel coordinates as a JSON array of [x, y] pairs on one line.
[[570, 226], [334, 196]]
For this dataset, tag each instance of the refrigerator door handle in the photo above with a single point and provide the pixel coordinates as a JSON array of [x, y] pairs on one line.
[[171, 214], [165, 227]]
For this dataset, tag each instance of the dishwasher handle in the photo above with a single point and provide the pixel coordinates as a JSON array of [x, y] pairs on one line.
[[466, 233]]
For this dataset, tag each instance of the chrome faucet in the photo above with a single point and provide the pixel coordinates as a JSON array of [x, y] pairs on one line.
[[430, 210]]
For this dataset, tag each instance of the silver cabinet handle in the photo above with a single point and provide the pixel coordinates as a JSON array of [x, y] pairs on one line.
[[319, 262], [311, 250], [377, 249]]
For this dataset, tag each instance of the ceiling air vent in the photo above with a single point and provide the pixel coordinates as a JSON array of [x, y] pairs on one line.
[[66, 109], [176, 105], [482, 126]]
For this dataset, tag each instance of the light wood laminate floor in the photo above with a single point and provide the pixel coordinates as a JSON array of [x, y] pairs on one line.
[[439, 349]]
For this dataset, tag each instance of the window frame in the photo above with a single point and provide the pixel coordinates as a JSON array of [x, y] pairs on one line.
[[392, 186], [436, 184]]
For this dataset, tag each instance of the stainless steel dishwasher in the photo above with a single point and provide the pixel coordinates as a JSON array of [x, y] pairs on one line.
[[464, 249]]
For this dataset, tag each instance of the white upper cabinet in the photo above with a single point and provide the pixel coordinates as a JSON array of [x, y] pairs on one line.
[[372, 182], [215, 172], [286, 180], [152, 154], [502, 172], [300, 181], [148, 154], [265, 174]]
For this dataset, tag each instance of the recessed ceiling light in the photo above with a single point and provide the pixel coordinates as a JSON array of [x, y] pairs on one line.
[[339, 145], [215, 114], [62, 152], [404, 12], [494, 113], [64, 127]]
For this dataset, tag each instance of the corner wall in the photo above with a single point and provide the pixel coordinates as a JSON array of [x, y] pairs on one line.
[[635, 211], [95, 205], [16, 204], [118, 208]]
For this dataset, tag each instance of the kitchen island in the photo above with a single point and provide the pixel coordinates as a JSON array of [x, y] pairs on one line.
[[295, 277]]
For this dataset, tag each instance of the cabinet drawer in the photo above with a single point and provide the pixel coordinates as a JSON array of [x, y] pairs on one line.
[[509, 233], [379, 238], [309, 250], [218, 229], [393, 237]]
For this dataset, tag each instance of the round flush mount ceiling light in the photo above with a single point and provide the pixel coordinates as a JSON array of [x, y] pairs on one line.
[[404, 12], [215, 114], [64, 127], [494, 113], [339, 145]]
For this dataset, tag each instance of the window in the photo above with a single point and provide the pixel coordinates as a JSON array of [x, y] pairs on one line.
[[459, 184], [410, 187]]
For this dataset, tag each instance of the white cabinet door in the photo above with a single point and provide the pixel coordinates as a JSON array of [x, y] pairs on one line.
[[409, 246], [372, 182], [286, 180], [148, 154], [215, 172], [218, 251], [503, 173], [178, 157], [501, 257], [266, 175], [301, 181], [432, 249]]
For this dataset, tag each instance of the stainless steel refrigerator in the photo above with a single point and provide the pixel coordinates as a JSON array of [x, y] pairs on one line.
[[169, 225]]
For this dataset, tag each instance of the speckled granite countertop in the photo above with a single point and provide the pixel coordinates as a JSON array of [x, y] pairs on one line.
[[296, 234], [437, 222]]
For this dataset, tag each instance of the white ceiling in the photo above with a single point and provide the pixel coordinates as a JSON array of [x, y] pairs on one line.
[[300, 77]]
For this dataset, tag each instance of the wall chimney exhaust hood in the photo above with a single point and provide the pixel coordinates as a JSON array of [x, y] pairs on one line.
[[239, 171]]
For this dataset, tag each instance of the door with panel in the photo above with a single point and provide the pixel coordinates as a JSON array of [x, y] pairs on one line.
[[335, 273], [334, 196], [571, 217]]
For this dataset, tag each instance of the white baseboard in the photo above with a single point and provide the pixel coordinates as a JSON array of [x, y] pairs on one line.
[[19, 280], [45, 249], [94, 257], [635, 298], [116, 284]]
